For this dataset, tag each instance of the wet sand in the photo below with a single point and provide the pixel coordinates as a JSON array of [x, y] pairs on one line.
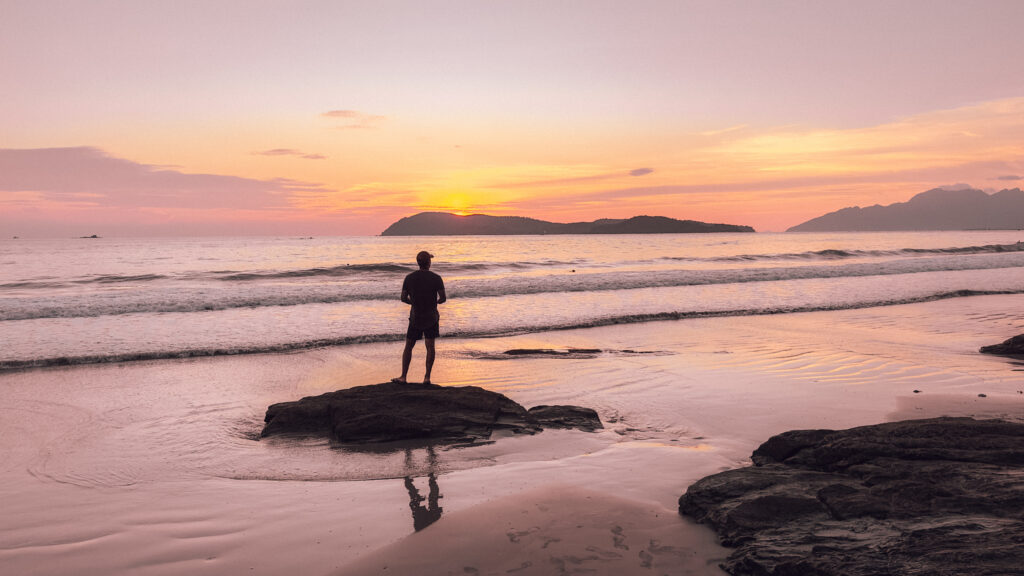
[[153, 467]]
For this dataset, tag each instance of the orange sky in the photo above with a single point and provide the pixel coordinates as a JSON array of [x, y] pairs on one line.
[[338, 118]]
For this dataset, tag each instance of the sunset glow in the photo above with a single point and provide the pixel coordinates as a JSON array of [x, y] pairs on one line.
[[339, 118]]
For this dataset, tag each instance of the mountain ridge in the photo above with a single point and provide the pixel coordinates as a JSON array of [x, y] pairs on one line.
[[935, 209], [447, 224]]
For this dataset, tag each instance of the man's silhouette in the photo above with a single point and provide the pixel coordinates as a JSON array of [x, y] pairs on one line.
[[423, 290]]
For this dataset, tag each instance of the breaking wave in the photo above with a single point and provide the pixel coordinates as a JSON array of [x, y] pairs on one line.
[[8, 365], [837, 254], [223, 296]]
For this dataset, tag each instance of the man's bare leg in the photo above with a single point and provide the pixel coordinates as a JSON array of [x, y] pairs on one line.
[[406, 360], [429, 343]]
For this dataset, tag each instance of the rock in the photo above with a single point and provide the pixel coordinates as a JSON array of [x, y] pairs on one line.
[[942, 496], [1012, 347], [566, 417], [574, 353], [402, 411]]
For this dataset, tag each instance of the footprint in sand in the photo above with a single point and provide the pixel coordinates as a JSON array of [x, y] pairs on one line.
[[515, 535], [618, 538], [523, 566], [646, 560]]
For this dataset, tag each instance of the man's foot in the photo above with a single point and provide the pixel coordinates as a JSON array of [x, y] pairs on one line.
[[399, 380], [426, 381]]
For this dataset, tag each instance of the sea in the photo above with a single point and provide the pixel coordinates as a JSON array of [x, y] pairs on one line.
[[96, 300]]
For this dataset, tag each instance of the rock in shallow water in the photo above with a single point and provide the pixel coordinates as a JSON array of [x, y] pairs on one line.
[[1012, 347], [403, 411], [566, 417], [942, 496]]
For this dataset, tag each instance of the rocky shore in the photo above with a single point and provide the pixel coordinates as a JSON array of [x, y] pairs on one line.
[[942, 496], [1010, 347]]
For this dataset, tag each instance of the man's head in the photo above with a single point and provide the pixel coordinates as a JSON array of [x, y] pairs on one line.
[[423, 259]]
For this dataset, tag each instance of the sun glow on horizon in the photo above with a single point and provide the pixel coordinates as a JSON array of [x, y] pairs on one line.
[[456, 202], [767, 178]]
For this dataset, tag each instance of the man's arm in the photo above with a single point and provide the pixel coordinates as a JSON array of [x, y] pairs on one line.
[[405, 297], [441, 296]]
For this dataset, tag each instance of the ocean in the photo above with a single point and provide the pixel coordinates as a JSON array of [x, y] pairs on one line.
[[94, 300], [702, 347]]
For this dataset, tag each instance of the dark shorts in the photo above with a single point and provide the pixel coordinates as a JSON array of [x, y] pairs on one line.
[[430, 331]]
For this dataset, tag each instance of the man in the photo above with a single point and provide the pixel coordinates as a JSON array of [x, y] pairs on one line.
[[423, 290]]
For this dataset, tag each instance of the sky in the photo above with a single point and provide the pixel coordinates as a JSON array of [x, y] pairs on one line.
[[331, 117]]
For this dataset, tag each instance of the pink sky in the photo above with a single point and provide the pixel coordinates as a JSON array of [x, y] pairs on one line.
[[332, 117]]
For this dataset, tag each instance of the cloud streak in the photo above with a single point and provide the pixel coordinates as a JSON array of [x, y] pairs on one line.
[[290, 152], [798, 185], [353, 119], [571, 180]]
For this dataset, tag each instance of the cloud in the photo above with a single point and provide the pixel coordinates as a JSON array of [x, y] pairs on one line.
[[353, 119], [766, 189], [357, 199], [88, 177], [955, 187], [290, 152], [1009, 177], [567, 180], [728, 130], [279, 152]]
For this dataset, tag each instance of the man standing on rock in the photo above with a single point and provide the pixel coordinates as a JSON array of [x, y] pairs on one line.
[[424, 290]]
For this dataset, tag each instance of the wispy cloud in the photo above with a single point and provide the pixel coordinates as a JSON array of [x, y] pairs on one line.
[[290, 152], [567, 180], [353, 119], [940, 138], [799, 186], [1009, 177], [88, 176], [736, 128]]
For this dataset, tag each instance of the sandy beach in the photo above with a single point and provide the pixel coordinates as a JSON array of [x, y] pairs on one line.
[[154, 467]]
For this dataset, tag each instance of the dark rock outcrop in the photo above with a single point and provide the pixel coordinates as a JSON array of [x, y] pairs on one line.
[[574, 353], [565, 417], [397, 411], [1012, 347], [446, 224], [942, 496]]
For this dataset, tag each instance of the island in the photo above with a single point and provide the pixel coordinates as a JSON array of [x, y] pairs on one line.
[[446, 224], [961, 208]]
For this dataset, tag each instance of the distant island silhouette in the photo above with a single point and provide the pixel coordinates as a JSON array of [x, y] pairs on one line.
[[446, 224], [938, 209]]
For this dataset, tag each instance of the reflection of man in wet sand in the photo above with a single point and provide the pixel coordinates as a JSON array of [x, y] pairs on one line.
[[423, 516], [423, 290]]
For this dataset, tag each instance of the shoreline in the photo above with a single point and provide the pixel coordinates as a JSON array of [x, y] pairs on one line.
[[150, 466], [8, 366]]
